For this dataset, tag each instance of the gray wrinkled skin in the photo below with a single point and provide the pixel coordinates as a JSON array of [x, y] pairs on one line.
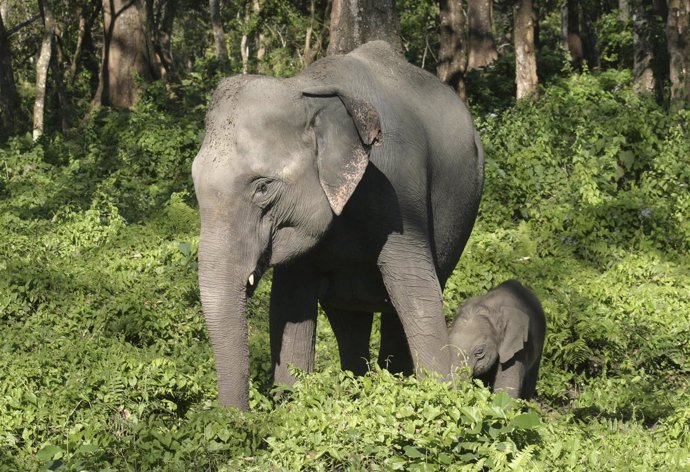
[[500, 337], [359, 180]]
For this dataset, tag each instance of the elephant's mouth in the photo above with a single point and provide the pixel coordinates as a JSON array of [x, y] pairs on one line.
[[258, 272]]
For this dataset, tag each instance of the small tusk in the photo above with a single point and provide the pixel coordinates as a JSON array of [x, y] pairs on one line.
[[251, 279]]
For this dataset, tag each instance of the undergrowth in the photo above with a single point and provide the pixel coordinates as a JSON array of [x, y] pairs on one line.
[[105, 363]]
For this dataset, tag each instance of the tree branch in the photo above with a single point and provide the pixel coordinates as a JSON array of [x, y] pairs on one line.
[[21, 25]]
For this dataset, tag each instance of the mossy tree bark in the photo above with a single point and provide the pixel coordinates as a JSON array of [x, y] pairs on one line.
[[452, 60], [482, 46], [127, 53], [525, 53], [355, 22], [678, 38]]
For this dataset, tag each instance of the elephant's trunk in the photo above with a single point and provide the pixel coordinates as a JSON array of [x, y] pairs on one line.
[[222, 280]]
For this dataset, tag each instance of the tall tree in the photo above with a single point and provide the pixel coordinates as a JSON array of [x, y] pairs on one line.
[[482, 46], [218, 34], [354, 22], [525, 54], [42, 65], [163, 21], [643, 50], [9, 98], [87, 12], [678, 39], [570, 28], [452, 60], [127, 52], [624, 10]]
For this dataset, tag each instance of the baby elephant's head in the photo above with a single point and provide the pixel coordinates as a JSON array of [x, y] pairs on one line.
[[474, 340]]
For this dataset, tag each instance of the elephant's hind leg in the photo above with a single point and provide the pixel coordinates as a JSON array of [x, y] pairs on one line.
[[352, 330], [394, 352]]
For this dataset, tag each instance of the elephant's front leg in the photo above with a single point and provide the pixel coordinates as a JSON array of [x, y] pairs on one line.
[[292, 320], [509, 377], [410, 278]]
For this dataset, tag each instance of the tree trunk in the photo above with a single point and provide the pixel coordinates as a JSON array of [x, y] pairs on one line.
[[355, 22], [9, 98], [678, 38], [624, 10], [482, 50], [127, 50], [525, 54], [643, 51], [452, 60], [218, 35], [261, 38], [244, 43], [570, 27], [164, 21], [83, 14], [42, 67], [61, 90]]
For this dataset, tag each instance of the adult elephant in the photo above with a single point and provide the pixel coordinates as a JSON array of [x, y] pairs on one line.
[[359, 180]]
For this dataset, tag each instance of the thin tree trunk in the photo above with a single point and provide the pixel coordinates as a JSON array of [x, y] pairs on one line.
[[482, 47], [165, 35], [355, 22], [244, 43], [163, 22], [570, 27], [452, 60], [81, 35], [127, 47], [260, 41], [42, 67], [9, 98], [678, 38], [525, 54], [218, 35], [4, 9], [61, 90], [644, 81], [308, 56], [624, 10]]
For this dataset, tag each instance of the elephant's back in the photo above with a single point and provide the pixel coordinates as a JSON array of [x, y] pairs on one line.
[[454, 153], [430, 147]]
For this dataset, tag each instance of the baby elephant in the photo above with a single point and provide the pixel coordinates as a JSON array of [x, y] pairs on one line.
[[500, 336]]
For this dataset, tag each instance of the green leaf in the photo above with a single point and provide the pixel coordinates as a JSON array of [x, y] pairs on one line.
[[412, 452], [528, 420], [503, 401], [86, 448], [49, 453]]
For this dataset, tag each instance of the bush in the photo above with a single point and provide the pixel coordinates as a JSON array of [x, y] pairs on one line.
[[105, 362]]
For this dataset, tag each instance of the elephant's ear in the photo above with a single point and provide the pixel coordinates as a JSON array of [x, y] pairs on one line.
[[515, 324], [345, 127]]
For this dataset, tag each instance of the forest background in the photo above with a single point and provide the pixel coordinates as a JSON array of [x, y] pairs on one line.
[[104, 360]]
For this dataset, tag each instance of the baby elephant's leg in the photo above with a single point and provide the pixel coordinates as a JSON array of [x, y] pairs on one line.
[[529, 385], [509, 377]]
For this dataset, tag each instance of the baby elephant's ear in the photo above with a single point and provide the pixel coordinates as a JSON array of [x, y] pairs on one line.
[[516, 324]]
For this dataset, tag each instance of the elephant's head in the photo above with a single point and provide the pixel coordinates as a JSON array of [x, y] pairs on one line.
[[277, 164], [482, 336], [474, 340]]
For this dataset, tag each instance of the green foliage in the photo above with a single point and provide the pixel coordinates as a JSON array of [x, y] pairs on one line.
[[105, 363], [383, 422]]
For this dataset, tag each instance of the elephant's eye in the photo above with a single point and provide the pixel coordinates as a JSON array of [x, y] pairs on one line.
[[263, 192], [478, 352]]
